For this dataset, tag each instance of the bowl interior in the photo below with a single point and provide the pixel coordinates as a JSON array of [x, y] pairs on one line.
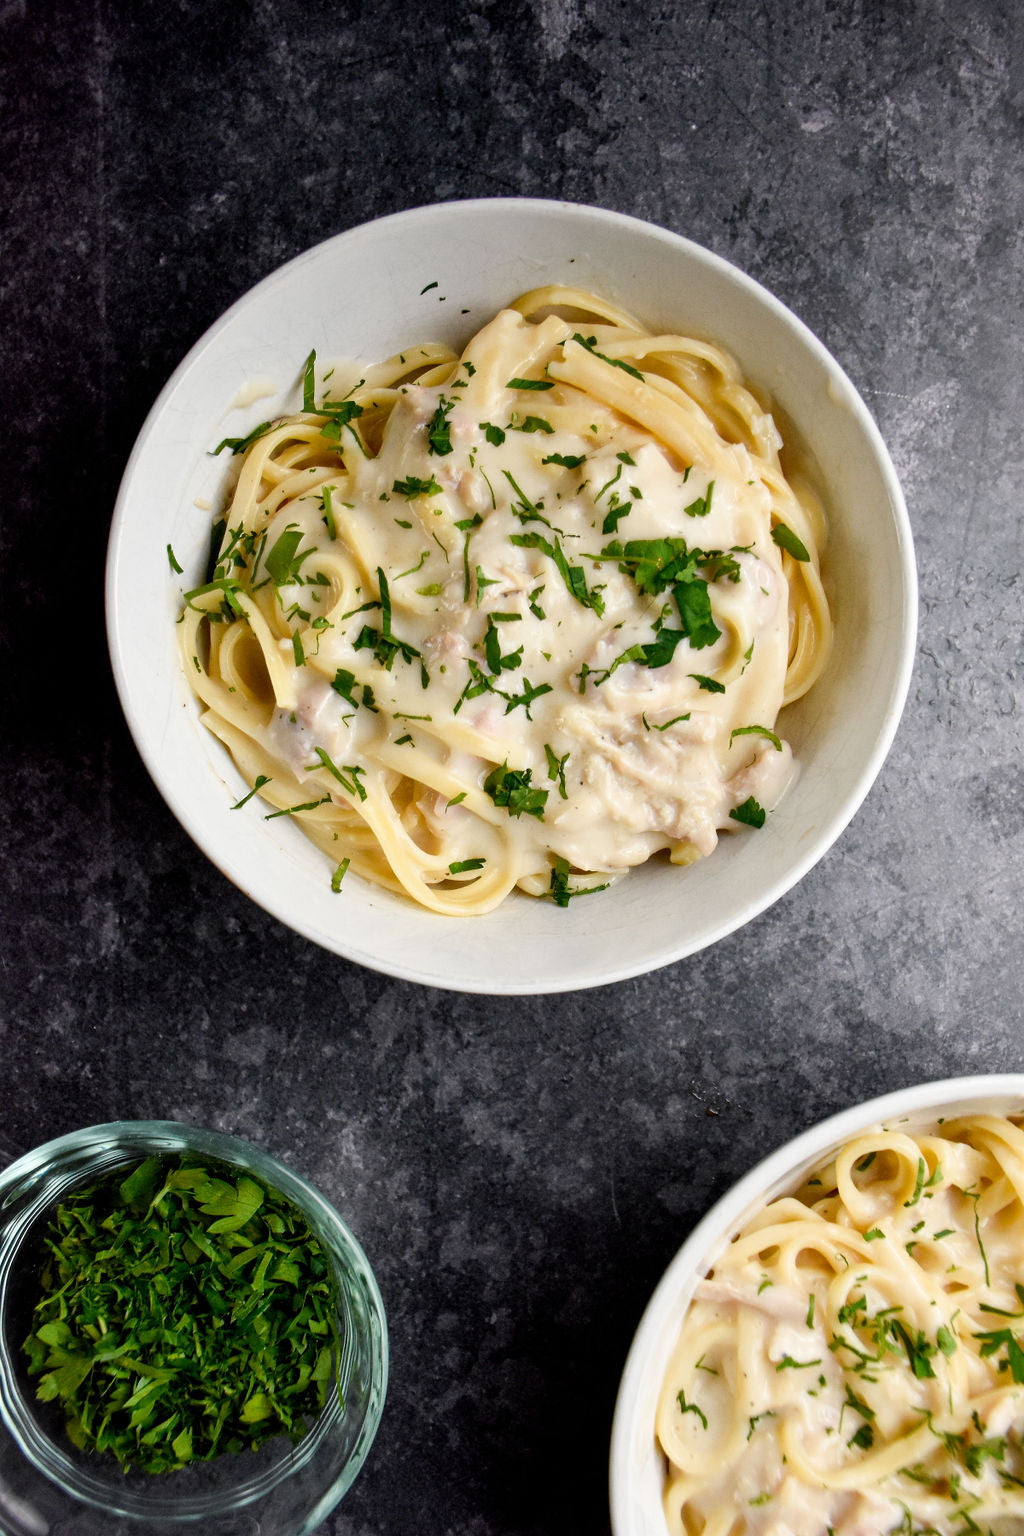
[[637, 1467], [362, 295]]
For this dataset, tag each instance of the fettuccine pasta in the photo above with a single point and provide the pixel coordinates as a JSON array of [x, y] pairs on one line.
[[519, 618], [854, 1362]]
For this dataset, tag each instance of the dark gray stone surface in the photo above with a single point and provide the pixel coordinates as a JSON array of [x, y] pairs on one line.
[[520, 1171]]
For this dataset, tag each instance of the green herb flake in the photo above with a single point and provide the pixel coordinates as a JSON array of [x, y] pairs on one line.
[[339, 875], [530, 384], [750, 813], [919, 1184], [560, 890], [261, 779], [283, 559], [243, 444], [413, 486], [590, 343], [676, 720], [756, 730], [566, 460], [685, 1407], [349, 778], [702, 505], [293, 810], [511, 788], [556, 770], [617, 510], [461, 866], [439, 432], [946, 1340], [786, 539]]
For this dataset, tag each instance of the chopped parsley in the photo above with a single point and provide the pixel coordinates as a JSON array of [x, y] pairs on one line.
[[573, 575], [702, 506], [243, 444], [685, 1407], [754, 730], [786, 539], [261, 779], [412, 486], [556, 769], [439, 433], [283, 559], [511, 788], [204, 1326], [349, 778], [590, 343], [749, 812]]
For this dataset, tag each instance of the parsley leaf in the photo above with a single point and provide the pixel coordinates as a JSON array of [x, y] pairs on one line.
[[412, 486], [786, 539], [561, 893], [511, 788], [749, 812], [590, 342], [439, 432], [754, 730]]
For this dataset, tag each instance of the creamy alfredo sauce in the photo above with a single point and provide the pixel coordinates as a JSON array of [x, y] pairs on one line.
[[502, 577], [853, 1364]]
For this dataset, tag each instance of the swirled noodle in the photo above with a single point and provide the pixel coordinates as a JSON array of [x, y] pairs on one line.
[[523, 617], [854, 1361]]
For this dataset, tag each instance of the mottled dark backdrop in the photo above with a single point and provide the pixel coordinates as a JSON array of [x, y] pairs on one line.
[[520, 1171]]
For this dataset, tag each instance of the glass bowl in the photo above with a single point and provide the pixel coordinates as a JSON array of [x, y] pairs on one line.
[[49, 1488]]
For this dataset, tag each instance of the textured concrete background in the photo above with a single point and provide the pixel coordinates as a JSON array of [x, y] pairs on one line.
[[520, 1171]]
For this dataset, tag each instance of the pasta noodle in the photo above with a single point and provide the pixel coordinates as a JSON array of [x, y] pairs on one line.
[[519, 618], [854, 1361]]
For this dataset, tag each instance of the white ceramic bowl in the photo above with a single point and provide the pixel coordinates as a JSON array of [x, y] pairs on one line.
[[360, 295], [637, 1466]]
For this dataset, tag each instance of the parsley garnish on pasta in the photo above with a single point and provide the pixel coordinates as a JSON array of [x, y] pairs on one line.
[[582, 699]]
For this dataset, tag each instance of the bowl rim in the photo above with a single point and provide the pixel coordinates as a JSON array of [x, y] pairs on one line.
[[27, 1188], [619, 965], [719, 1224]]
